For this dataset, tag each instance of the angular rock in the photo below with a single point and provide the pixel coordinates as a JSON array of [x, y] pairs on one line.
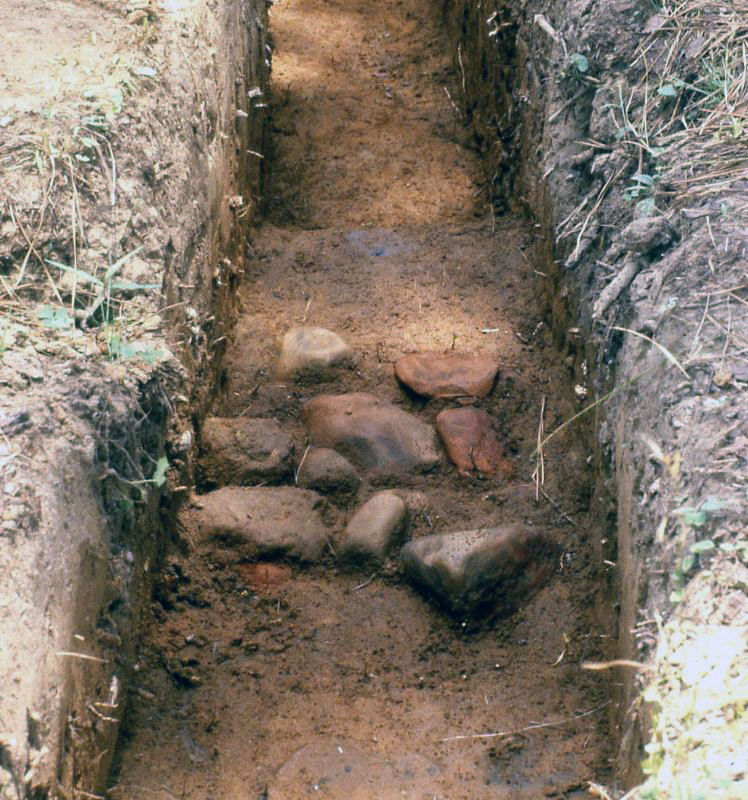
[[264, 522], [324, 470], [310, 351], [338, 769], [485, 572], [472, 443], [371, 433], [374, 528], [447, 374], [240, 451], [647, 234]]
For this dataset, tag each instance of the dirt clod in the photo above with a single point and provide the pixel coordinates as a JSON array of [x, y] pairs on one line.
[[242, 451]]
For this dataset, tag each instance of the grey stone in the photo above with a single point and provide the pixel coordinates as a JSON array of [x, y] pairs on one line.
[[338, 769], [647, 234], [310, 351], [374, 528], [324, 470], [372, 433], [239, 451], [267, 522], [485, 572]]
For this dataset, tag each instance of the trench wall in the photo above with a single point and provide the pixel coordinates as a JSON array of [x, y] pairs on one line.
[[83, 437]]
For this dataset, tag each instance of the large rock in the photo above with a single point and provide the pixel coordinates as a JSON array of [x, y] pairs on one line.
[[373, 434], [486, 572], [310, 351], [324, 470], [374, 528], [339, 769], [471, 442], [264, 522], [447, 374], [240, 451]]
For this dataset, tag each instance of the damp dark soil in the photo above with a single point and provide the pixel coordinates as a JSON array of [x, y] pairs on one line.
[[379, 228]]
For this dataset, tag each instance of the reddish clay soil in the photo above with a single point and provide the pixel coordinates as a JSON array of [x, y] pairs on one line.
[[379, 230]]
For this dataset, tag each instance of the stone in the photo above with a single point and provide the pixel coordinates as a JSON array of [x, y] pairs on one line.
[[374, 528], [264, 522], [472, 443], [339, 769], [324, 470], [484, 572], [307, 351], [373, 434], [241, 450], [447, 374], [647, 234]]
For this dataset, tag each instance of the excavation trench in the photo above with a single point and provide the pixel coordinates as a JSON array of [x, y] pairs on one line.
[[269, 677]]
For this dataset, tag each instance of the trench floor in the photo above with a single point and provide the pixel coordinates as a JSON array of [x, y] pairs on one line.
[[380, 230]]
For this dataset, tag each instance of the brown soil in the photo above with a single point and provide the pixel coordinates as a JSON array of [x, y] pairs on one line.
[[379, 229]]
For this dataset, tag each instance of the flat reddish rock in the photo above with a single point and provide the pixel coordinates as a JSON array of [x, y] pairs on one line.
[[471, 442], [371, 433], [447, 374]]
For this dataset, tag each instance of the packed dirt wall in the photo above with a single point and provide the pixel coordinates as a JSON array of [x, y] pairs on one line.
[[129, 144]]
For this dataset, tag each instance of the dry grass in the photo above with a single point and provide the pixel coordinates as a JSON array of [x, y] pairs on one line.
[[695, 96]]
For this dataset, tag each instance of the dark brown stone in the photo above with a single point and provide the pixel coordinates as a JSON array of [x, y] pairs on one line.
[[447, 374], [489, 571], [472, 443], [372, 434]]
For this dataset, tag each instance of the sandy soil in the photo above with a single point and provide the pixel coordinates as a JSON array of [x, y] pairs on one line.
[[379, 230]]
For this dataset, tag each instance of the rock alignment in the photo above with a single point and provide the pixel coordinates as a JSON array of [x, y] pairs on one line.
[[472, 443], [447, 374], [374, 528], [310, 352], [481, 573], [264, 522], [373, 434], [241, 451]]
